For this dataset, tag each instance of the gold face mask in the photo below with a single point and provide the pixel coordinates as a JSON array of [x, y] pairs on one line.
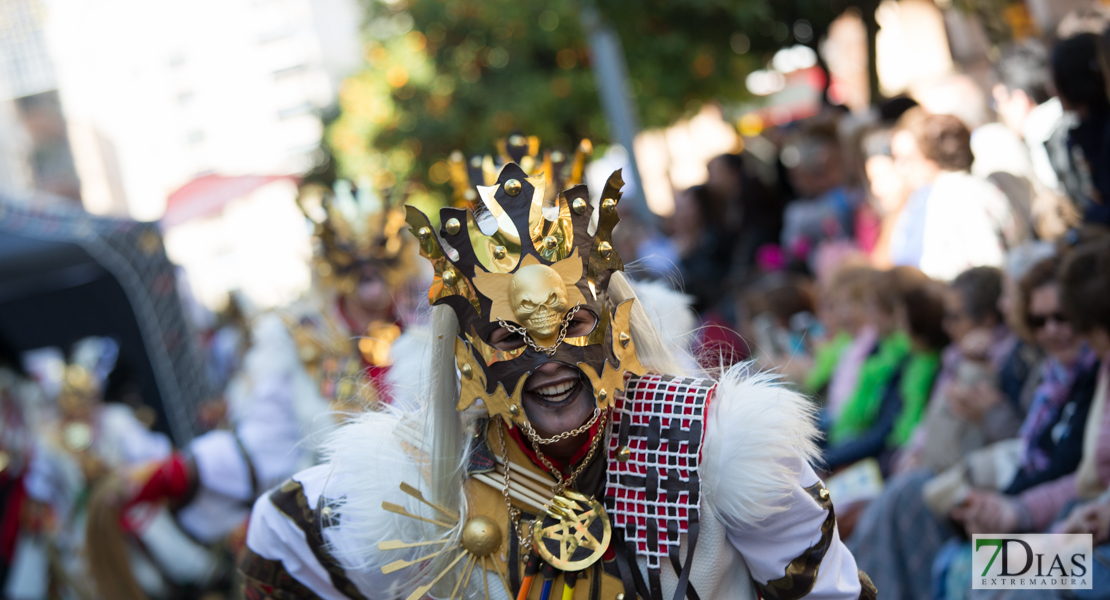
[[533, 286]]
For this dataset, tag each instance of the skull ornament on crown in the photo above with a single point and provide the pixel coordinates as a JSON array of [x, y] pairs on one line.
[[539, 299], [529, 260]]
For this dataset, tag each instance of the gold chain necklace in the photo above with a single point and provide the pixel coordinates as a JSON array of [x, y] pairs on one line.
[[536, 439], [525, 540]]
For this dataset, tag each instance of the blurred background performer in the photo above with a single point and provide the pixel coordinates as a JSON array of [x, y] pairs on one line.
[[324, 356], [81, 440]]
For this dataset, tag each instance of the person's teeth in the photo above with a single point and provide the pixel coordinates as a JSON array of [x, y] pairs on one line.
[[559, 388], [556, 392]]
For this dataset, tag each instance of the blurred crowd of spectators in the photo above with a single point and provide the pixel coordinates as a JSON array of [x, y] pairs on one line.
[[939, 281]]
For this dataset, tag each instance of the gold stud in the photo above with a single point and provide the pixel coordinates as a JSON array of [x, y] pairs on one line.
[[514, 410], [467, 371], [605, 250], [608, 204], [551, 242], [602, 394], [449, 278], [579, 205], [512, 187], [453, 226], [823, 494], [624, 339], [424, 233], [499, 252], [481, 536], [624, 454], [619, 597]]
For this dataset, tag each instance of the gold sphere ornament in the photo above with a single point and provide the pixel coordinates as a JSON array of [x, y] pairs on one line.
[[602, 395], [512, 187], [579, 205], [514, 410], [499, 252], [449, 278], [424, 233], [481, 536], [452, 226], [551, 242], [605, 249]]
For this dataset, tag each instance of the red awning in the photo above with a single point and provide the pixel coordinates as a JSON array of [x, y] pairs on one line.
[[207, 195]]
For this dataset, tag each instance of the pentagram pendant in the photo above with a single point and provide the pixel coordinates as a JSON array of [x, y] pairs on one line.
[[573, 533]]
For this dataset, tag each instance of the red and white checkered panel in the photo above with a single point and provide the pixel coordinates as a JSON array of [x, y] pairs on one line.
[[652, 496]]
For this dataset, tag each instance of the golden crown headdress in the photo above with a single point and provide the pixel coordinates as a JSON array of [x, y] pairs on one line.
[[355, 226]]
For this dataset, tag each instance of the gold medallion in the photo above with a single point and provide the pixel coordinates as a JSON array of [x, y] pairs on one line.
[[573, 534]]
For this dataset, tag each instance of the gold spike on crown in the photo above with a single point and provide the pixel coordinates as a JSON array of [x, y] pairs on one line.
[[466, 175]]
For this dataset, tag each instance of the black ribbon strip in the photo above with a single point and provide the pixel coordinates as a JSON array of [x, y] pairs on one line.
[[623, 567], [595, 582]]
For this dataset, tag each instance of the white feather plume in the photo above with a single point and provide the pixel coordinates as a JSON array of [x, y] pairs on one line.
[[670, 312], [759, 434]]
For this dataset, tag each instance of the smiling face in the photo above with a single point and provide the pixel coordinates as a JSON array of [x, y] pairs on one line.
[[556, 398]]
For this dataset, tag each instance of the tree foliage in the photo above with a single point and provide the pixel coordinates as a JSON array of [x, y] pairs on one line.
[[443, 75]]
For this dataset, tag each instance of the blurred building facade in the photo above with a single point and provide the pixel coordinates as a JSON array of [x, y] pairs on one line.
[[157, 94], [34, 145]]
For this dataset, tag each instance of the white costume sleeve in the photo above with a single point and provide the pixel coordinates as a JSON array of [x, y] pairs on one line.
[[359, 485], [225, 489], [759, 443], [770, 546], [274, 536]]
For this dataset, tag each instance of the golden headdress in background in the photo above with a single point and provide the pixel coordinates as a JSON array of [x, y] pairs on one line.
[[354, 227]]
